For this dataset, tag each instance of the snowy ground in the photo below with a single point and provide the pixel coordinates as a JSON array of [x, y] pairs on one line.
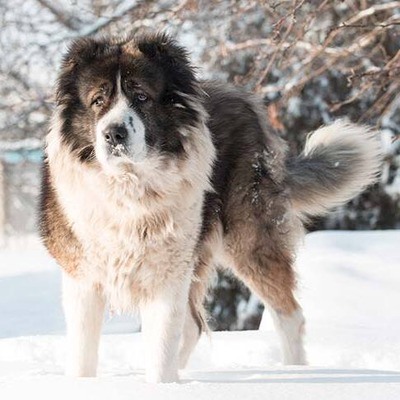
[[349, 285]]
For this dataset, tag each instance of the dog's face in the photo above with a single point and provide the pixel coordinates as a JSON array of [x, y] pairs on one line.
[[123, 102]]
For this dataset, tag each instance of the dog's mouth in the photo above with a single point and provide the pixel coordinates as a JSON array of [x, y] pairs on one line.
[[119, 156], [119, 150]]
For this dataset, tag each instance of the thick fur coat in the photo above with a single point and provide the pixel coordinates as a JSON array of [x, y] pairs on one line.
[[152, 179]]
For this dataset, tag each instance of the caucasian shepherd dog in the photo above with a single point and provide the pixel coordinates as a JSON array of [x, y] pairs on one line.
[[152, 178]]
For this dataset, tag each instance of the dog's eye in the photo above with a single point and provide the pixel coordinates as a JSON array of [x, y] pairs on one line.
[[98, 101], [142, 97]]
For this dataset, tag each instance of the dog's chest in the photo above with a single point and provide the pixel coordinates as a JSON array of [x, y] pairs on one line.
[[116, 234], [132, 252]]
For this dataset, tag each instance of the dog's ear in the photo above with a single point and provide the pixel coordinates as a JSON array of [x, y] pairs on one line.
[[172, 58], [81, 51], [163, 47]]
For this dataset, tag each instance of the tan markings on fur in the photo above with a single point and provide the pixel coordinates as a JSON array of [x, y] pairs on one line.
[[62, 248], [58, 236], [131, 49], [263, 259], [266, 271]]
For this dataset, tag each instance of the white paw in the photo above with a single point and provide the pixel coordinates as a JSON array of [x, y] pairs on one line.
[[166, 377]]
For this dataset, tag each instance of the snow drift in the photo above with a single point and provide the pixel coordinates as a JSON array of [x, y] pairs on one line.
[[349, 288]]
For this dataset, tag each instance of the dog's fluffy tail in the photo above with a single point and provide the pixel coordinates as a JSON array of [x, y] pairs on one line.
[[337, 163]]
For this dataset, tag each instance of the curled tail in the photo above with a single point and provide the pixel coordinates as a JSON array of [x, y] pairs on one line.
[[337, 163]]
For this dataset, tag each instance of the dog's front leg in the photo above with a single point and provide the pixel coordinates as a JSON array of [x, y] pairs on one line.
[[162, 324], [83, 308]]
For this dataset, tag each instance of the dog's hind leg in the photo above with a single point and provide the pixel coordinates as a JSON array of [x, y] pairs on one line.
[[290, 328], [195, 320], [191, 334], [265, 266], [275, 288], [84, 309]]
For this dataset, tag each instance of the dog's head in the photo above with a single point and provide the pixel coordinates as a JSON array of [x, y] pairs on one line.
[[122, 101]]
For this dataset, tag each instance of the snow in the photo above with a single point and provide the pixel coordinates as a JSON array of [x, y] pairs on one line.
[[349, 289], [24, 144]]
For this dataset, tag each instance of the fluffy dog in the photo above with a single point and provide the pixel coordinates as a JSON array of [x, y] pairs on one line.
[[153, 178]]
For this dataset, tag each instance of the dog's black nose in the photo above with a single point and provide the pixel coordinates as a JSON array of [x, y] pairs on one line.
[[116, 134]]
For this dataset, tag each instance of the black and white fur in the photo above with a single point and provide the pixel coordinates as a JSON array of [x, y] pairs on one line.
[[152, 179]]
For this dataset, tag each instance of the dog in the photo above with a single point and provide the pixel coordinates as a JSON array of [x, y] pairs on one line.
[[152, 178]]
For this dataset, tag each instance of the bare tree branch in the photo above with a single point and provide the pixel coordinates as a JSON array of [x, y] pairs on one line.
[[62, 17], [103, 22]]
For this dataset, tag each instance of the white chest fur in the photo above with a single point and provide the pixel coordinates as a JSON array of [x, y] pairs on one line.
[[139, 232], [129, 249]]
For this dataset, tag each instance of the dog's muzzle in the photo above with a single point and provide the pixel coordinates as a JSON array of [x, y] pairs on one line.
[[120, 137], [116, 137]]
